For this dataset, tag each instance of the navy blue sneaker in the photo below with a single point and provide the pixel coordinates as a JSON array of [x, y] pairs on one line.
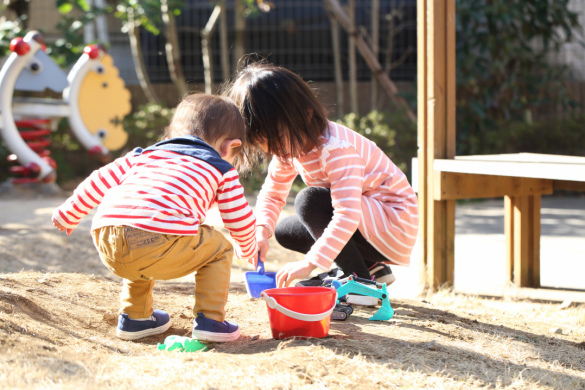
[[129, 329], [206, 329]]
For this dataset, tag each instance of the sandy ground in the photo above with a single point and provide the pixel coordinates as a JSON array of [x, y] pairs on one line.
[[58, 308]]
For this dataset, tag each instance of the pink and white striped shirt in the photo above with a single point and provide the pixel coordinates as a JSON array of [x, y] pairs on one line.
[[165, 192], [368, 191]]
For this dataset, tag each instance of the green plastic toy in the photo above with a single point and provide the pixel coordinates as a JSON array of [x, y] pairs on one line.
[[181, 344]]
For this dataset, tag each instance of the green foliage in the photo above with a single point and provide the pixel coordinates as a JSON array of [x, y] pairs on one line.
[[146, 14], [554, 136], [8, 31], [145, 126], [503, 62], [66, 6], [392, 132]]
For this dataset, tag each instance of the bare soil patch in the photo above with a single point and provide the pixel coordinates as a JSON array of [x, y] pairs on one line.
[[58, 312]]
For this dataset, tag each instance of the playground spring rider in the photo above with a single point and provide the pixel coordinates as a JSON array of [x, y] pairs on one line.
[[94, 99]]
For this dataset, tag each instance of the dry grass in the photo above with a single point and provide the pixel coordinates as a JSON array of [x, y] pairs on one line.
[[57, 331]]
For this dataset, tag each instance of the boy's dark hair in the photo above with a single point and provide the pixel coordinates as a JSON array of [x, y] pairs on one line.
[[209, 117], [273, 100]]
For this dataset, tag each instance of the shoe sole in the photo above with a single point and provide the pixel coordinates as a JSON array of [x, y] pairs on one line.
[[203, 335], [143, 333]]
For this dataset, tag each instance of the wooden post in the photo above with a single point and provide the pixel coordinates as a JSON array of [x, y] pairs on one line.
[[353, 92], [522, 226], [436, 135]]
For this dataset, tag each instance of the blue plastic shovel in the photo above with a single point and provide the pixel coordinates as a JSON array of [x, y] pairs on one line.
[[259, 280]]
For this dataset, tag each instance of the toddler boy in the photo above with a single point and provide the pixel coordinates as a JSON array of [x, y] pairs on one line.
[[152, 205]]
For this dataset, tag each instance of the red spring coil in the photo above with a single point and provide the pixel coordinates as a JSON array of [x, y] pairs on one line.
[[33, 132]]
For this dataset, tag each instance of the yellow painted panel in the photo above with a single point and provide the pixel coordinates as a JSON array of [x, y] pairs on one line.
[[103, 102]]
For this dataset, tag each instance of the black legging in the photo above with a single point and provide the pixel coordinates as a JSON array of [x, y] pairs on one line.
[[314, 209]]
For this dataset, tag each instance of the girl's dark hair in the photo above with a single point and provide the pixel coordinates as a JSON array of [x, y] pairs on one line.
[[277, 104], [209, 117]]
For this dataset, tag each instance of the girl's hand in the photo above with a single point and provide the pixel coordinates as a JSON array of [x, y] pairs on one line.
[[262, 234], [291, 271], [61, 227]]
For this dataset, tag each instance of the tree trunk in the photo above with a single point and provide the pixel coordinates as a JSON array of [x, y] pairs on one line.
[[172, 49], [139, 66], [240, 26], [353, 91], [102, 23], [372, 61], [205, 50], [223, 43], [375, 49], [337, 62]]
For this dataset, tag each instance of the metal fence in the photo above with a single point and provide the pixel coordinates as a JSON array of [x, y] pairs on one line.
[[295, 34]]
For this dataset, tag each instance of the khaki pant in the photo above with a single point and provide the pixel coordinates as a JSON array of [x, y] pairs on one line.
[[141, 257]]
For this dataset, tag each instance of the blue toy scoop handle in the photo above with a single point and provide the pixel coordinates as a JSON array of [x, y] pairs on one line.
[[260, 268]]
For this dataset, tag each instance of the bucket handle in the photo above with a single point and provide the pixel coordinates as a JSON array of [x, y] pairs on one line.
[[293, 314]]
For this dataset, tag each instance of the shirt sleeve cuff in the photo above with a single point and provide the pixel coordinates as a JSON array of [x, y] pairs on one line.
[[267, 226]]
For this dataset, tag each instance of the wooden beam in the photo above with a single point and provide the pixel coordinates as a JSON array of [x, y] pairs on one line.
[[439, 107], [569, 185], [451, 185]]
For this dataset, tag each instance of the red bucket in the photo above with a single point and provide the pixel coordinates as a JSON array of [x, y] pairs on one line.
[[300, 311]]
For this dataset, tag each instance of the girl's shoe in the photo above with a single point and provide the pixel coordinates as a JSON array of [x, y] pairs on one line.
[[206, 329], [382, 273], [322, 280], [129, 329]]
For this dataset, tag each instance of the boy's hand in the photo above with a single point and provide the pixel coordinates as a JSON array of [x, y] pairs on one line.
[[61, 227], [291, 271]]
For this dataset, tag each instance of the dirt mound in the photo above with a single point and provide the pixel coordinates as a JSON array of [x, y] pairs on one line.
[[57, 331]]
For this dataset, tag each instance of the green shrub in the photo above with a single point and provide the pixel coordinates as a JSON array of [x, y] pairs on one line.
[[504, 71], [553, 136], [146, 125], [393, 132]]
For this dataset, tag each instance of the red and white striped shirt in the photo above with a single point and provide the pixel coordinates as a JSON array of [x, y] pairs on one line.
[[165, 192], [368, 191]]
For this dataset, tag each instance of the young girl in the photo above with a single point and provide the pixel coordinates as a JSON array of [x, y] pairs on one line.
[[358, 210]]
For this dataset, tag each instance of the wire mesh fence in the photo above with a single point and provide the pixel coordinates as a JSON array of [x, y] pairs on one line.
[[295, 34]]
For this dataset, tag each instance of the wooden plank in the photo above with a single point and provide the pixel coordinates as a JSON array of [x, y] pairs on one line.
[[526, 158], [451, 185], [542, 170], [422, 138], [568, 185]]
